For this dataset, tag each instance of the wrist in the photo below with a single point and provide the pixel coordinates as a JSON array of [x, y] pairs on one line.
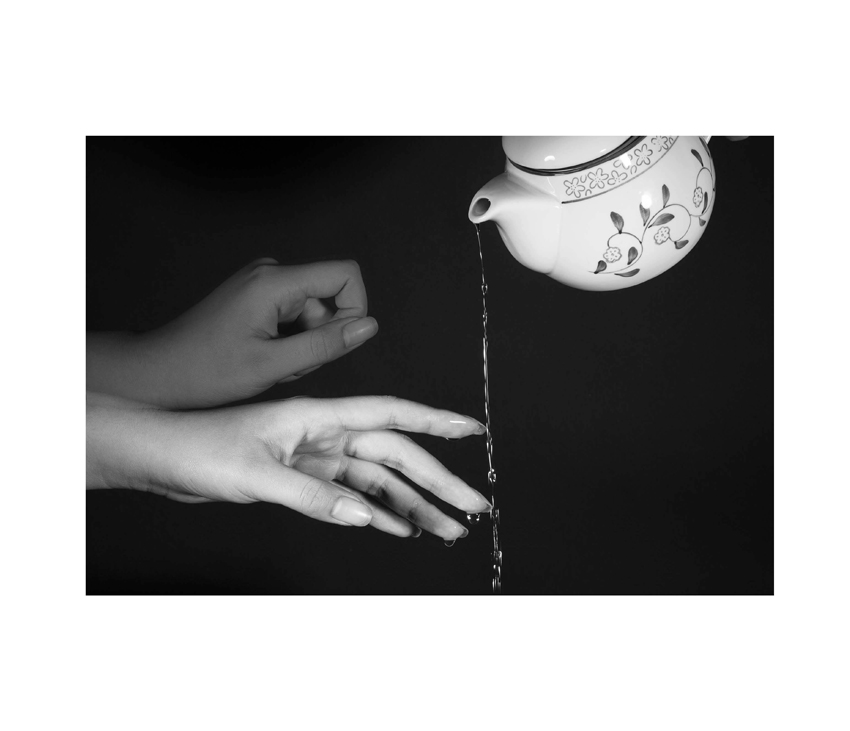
[[126, 443], [124, 364]]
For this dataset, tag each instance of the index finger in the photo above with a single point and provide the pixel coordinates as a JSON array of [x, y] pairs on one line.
[[367, 413], [325, 279]]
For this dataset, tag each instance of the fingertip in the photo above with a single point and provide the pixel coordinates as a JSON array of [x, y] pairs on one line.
[[455, 532], [467, 424], [359, 331]]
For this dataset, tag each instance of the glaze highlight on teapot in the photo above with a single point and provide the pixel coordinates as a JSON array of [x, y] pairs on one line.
[[631, 211]]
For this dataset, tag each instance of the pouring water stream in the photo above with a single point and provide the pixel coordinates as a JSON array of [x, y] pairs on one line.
[[491, 473]]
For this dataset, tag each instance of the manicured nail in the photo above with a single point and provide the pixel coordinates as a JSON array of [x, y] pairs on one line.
[[484, 504], [359, 331], [451, 541], [353, 512], [469, 421]]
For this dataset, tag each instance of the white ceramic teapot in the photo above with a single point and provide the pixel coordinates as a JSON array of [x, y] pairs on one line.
[[600, 213]]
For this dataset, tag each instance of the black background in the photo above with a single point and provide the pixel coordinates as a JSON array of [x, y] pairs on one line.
[[633, 430]]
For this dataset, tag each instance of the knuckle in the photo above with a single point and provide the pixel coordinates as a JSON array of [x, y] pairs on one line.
[[414, 510], [319, 346], [390, 403], [380, 488], [312, 499], [352, 265]]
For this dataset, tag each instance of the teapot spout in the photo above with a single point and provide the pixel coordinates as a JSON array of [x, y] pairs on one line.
[[528, 220]]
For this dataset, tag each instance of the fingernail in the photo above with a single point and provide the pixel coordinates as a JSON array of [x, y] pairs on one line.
[[468, 420], [417, 533], [483, 502], [465, 533], [351, 511], [359, 331]]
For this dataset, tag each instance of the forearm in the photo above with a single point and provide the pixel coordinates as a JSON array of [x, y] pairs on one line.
[[126, 443], [125, 364], [192, 456]]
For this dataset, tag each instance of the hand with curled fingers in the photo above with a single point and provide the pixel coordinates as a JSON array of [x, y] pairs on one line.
[[342, 461], [227, 347]]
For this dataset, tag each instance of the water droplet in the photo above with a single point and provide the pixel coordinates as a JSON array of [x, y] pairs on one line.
[[449, 543], [473, 518]]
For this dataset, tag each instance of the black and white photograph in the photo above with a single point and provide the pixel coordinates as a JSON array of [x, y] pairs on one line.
[[429, 365], [419, 393]]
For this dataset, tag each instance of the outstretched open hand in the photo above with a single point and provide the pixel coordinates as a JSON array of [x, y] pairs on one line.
[[341, 461]]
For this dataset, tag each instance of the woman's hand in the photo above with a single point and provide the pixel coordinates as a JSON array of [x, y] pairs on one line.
[[227, 347], [336, 460]]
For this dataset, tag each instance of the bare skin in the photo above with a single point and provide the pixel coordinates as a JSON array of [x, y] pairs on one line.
[[341, 461], [227, 348]]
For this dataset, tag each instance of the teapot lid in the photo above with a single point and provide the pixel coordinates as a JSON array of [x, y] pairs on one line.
[[555, 155]]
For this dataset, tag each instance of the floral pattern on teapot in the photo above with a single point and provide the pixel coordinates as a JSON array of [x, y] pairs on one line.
[[617, 171], [672, 223]]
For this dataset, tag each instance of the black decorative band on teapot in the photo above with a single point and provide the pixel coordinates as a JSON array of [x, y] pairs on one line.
[[617, 151]]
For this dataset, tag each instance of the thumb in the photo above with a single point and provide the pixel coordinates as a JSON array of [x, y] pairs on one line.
[[309, 496], [320, 345]]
